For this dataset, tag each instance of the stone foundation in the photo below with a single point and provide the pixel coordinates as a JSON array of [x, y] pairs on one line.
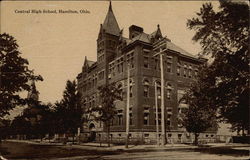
[[150, 137]]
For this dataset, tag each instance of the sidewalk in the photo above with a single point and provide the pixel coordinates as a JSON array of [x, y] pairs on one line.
[[104, 146], [136, 147]]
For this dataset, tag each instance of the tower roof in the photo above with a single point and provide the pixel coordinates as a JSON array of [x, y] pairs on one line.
[[33, 93], [110, 24]]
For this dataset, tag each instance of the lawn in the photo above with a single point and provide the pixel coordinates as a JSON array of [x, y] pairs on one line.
[[14, 150]]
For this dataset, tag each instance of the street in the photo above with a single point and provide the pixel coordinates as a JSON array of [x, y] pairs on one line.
[[17, 150]]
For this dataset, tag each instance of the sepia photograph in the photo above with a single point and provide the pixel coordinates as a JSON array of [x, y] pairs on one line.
[[124, 80]]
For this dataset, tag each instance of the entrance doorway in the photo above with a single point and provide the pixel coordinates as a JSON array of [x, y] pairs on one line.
[[92, 136]]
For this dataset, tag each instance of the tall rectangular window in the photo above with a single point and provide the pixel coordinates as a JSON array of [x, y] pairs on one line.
[[169, 67], [131, 91], [146, 88], [130, 116], [101, 75], [190, 72], [146, 116], [157, 64], [145, 62], [185, 71], [159, 116], [178, 72], [131, 88], [130, 59], [120, 117]]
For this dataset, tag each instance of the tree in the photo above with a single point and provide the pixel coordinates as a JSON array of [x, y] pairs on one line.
[[14, 73], [68, 111], [200, 114], [107, 110], [224, 36], [38, 116], [35, 121], [4, 128], [20, 126]]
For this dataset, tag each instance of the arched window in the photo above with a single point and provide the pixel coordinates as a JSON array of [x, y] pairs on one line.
[[146, 88]]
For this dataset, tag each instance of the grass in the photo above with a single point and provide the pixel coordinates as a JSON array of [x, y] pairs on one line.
[[15, 150], [18, 150]]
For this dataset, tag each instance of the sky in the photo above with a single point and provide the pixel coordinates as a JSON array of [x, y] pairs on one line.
[[56, 44]]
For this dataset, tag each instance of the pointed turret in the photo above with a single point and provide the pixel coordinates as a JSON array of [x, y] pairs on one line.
[[110, 24], [33, 93]]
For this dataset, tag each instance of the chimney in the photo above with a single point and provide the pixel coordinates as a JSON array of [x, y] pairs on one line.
[[134, 31]]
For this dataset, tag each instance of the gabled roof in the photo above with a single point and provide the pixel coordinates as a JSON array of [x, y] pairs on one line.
[[88, 63], [176, 48], [157, 33], [143, 37], [110, 24]]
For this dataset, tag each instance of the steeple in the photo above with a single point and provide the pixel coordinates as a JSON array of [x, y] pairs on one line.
[[33, 93], [110, 24]]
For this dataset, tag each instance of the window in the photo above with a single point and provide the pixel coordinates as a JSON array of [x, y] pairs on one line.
[[168, 122], [179, 136], [190, 72], [169, 67], [159, 114], [130, 59], [120, 91], [120, 65], [185, 71], [178, 72], [130, 88], [158, 90], [168, 94], [120, 117], [146, 88], [112, 69], [101, 57], [146, 64], [157, 64], [101, 75], [130, 116], [169, 89], [180, 94], [146, 116], [146, 135], [195, 72]]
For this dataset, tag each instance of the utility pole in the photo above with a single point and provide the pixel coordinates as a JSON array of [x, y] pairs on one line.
[[156, 112], [162, 101], [162, 46], [127, 112]]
